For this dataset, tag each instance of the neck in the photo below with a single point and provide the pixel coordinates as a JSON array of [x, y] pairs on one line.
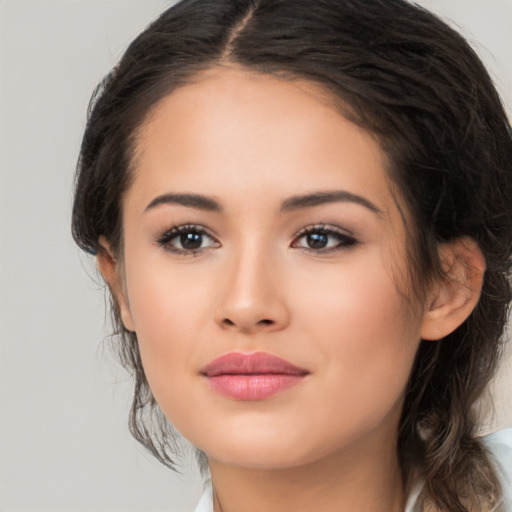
[[357, 478]]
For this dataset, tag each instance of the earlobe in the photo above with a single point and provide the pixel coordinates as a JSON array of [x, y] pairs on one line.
[[111, 272], [456, 293]]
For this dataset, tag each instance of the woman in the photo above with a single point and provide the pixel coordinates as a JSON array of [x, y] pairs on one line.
[[302, 211]]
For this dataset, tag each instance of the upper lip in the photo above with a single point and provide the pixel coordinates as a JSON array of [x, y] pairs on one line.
[[255, 363]]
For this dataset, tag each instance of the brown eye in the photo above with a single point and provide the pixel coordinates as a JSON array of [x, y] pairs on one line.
[[191, 240], [322, 239], [187, 240]]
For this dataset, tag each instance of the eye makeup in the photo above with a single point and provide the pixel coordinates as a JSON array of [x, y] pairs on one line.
[[192, 239], [187, 239]]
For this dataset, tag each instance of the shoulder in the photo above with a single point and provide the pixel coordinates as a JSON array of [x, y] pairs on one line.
[[499, 445]]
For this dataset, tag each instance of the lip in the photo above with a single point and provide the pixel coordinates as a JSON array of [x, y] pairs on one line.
[[253, 376]]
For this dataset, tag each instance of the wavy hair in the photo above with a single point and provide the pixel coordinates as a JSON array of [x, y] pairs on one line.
[[416, 84]]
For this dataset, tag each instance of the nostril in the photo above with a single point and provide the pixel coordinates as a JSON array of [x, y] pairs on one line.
[[264, 321]]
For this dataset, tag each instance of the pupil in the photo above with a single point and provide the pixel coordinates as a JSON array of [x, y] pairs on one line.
[[317, 240], [191, 240]]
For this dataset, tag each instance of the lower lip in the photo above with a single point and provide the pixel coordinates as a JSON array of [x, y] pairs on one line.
[[253, 387]]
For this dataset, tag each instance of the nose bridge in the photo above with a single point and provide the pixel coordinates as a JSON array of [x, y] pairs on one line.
[[251, 275], [252, 296]]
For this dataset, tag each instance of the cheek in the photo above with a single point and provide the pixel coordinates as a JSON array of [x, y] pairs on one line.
[[168, 312], [366, 332]]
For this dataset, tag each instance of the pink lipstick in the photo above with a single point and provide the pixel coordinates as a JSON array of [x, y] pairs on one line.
[[253, 376]]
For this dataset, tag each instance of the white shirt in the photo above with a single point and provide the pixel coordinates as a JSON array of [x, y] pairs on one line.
[[500, 445]]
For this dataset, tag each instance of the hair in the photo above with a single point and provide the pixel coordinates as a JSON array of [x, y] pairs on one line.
[[412, 81]]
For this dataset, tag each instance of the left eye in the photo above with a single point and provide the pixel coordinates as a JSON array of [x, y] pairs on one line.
[[323, 239], [186, 239]]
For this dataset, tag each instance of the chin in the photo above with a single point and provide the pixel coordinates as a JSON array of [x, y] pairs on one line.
[[281, 451], [267, 459]]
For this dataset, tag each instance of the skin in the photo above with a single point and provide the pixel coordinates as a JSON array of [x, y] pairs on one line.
[[250, 142]]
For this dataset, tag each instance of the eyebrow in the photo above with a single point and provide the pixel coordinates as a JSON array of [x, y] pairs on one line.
[[293, 203], [191, 200], [331, 196]]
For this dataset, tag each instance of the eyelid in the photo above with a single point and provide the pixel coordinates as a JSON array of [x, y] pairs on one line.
[[322, 226], [168, 235], [346, 238]]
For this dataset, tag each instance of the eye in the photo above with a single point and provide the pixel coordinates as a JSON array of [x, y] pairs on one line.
[[323, 239], [187, 239]]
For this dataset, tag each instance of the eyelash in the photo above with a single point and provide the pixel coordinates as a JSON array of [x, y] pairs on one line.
[[345, 241], [166, 239]]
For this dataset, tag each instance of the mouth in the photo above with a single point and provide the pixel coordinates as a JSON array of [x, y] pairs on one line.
[[253, 376]]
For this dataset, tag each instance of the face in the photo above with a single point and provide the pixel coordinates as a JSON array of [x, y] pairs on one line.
[[262, 251]]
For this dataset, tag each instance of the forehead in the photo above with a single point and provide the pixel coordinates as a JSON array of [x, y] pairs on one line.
[[241, 131]]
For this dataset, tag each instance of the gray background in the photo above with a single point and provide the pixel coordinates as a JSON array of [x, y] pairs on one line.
[[64, 444]]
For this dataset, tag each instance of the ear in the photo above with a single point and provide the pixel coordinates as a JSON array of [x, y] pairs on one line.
[[111, 271], [455, 295]]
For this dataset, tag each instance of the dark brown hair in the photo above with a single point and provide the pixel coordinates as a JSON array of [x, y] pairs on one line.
[[418, 86]]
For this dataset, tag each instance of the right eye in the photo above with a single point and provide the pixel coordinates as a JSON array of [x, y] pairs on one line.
[[187, 240]]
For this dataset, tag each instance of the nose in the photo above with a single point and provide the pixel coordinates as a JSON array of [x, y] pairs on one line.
[[253, 297]]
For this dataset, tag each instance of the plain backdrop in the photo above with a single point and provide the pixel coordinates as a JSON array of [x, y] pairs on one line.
[[64, 442]]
